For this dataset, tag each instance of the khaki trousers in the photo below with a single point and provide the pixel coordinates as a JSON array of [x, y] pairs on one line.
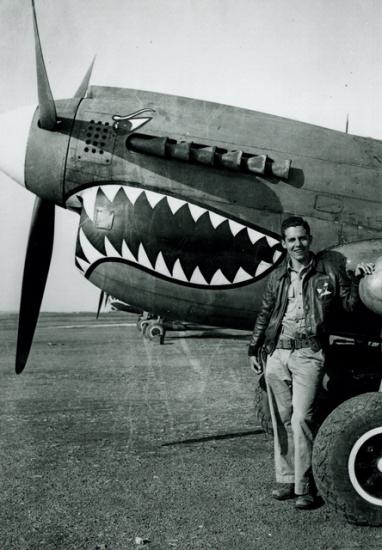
[[293, 381]]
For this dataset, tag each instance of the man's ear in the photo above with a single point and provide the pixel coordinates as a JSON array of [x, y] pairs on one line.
[[283, 243]]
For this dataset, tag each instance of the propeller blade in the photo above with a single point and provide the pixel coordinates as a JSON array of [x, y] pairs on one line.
[[102, 295], [48, 115], [100, 303], [36, 267], [81, 92]]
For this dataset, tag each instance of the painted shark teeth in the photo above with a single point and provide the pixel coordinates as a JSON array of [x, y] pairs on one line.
[[197, 277], [175, 204], [143, 259], [132, 193], [91, 253], [242, 276], [196, 211], [84, 265], [160, 265], [153, 198], [178, 272], [89, 197], [219, 279], [263, 266], [254, 235], [110, 250], [235, 227], [111, 191], [126, 252], [216, 219], [271, 241]]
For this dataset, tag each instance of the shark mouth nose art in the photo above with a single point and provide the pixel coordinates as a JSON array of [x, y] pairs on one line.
[[170, 238]]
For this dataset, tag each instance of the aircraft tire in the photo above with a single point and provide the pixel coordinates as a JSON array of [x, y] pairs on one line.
[[154, 331], [262, 413], [139, 324], [347, 459]]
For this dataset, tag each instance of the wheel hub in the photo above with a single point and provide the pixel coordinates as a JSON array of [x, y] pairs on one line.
[[365, 466]]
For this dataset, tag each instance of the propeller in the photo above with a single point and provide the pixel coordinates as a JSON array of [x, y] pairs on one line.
[[81, 92], [41, 236], [48, 115], [100, 303], [102, 295], [36, 268]]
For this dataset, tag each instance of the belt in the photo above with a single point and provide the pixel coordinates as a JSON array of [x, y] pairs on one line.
[[298, 343]]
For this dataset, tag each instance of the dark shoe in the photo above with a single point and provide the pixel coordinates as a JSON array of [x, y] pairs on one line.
[[283, 491], [305, 502]]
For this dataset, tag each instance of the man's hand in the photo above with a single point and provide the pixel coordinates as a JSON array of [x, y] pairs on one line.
[[255, 365], [363, 269]]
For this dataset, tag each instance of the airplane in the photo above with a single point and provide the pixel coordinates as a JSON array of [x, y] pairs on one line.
[[180, 200]]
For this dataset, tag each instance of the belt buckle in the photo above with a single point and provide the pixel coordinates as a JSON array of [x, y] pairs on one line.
[[300, 341]]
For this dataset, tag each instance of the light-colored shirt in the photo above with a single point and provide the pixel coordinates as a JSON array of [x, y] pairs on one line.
[[293, 323]]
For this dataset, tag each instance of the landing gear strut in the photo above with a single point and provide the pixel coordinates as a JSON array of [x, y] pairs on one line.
[[143, 320]]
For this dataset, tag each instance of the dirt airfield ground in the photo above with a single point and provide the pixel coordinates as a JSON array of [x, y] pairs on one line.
[[106, 437]]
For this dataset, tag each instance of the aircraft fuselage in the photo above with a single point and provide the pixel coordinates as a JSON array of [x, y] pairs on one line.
[[174, 220]]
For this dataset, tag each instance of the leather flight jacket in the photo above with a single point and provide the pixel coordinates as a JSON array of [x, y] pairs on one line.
[[325, 284]]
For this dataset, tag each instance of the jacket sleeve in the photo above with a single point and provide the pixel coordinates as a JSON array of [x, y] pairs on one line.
[[267, 306], [348, 290]]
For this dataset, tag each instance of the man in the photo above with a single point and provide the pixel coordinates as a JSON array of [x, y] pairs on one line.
[[291, 328]]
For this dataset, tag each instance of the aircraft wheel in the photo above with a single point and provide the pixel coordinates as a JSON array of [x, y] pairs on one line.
[[145, 324], [155, 332], [262, 412], [347, 459], [140, 324]]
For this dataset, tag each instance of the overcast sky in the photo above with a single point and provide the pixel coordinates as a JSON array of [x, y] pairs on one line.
[[313, 60]]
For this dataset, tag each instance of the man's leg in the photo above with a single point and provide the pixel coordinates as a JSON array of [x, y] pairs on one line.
[[279, 389], [307, 368]]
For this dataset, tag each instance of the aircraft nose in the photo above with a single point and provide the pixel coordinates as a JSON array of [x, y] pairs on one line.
[[14, 131]]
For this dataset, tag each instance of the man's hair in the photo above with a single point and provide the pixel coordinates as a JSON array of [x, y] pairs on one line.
[[294, 221]]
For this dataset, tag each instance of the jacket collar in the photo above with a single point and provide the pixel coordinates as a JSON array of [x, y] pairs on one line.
[[282, 271]]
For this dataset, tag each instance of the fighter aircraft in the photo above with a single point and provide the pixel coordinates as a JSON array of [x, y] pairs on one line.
[[180, 203], [180, 200]]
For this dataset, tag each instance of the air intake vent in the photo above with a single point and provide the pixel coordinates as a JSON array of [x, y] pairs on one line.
[[96, 141], [97, 136]]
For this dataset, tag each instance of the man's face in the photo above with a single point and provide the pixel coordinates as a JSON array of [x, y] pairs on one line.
[[297, 243]]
